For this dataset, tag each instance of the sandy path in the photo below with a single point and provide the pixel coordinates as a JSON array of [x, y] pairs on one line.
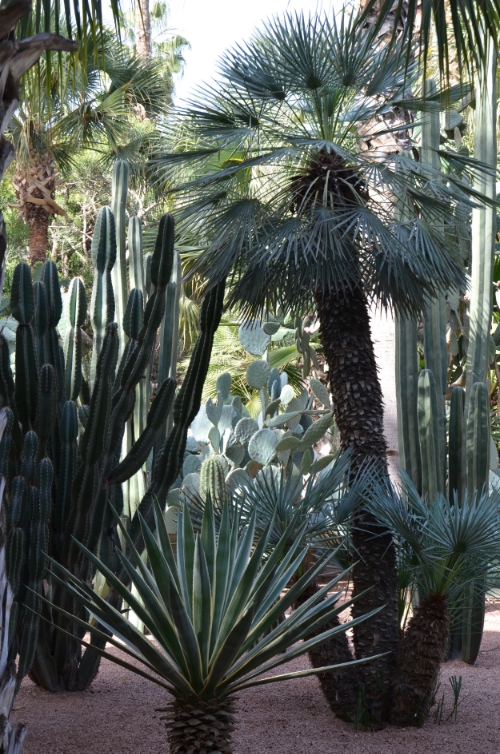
[[117, 716]]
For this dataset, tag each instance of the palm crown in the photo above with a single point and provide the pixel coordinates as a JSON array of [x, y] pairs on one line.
[[281, 192]]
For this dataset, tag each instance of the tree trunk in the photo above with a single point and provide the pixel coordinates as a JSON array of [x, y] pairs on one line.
[[421, 651], [357, 399], [197, 727], [17, 59], [38, 234], [143, 29], [35, 186]]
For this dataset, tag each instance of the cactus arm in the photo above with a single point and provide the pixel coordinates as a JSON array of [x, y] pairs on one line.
[[119, 272], [407, 368], [102, 304], [483, 221], [136, 261], [187, 404], [68, 433], [457, 476], [434, 311], [74, 314], [23, 310], [167, 359], [41, 320], [428, 425], [47, 406], [139, 452], [53, 350], [478, 440]]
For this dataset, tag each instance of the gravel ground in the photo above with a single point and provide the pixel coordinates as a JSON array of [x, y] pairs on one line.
[[117, 715]]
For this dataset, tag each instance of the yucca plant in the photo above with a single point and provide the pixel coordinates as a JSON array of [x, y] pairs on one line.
[[212, 610], [447, 545]]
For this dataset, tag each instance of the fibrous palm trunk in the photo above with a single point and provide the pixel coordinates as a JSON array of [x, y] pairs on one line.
[[35, 187], [421, 651], [143, 29], [196, 727], [357, 399]]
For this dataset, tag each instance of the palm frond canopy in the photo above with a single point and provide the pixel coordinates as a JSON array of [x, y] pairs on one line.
[[430, 20], [450, 544], [268, 170]]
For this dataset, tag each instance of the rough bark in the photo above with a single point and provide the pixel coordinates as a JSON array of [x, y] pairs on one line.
[[16, 57], [143, 29], [357, 399], [35, 186], [421, 651], [340, 687], [196, 727]]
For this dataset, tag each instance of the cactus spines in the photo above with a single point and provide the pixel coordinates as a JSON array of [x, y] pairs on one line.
[[212, 481]]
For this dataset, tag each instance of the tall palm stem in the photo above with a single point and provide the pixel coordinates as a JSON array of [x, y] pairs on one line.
[[357, 398]]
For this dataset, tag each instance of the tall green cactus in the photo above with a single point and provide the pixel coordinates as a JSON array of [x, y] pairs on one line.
[[469, 434], [434, 312], [119, 273], [187, 404], [60, 486]]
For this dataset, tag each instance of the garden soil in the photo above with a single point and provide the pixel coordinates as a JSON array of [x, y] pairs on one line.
[[118, 715]]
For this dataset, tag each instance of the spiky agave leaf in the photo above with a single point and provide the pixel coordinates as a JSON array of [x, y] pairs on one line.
[[211, 608]]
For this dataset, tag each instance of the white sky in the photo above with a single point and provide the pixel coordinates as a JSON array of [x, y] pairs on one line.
[[211, 26]]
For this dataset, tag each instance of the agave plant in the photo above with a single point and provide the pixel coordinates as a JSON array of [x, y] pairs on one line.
[[447, 546], [212, 610]]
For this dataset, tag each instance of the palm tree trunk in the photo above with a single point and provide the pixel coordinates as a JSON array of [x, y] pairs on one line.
[[38, 220], [197, 727], [421, 651], [357, 398], [35, 186], [143, 29]]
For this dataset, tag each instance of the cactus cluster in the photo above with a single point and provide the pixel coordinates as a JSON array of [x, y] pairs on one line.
[[74, 442], [440, 456], [64, 447], [227, 448]]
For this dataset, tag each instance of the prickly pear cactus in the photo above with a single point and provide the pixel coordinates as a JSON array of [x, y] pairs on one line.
[[284, 436]]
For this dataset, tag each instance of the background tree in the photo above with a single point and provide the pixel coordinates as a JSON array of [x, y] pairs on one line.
[[298, 216], [101, 95]]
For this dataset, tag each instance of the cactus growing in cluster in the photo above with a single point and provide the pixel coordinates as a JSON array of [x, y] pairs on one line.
[[462, 463], [59, 483]]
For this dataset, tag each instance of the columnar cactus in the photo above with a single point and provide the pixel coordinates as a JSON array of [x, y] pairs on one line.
[[468, 432], [61, 486]]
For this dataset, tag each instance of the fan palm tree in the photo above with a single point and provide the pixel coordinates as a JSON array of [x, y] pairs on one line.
[[447, 544], [298, 216], [95, 112]]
